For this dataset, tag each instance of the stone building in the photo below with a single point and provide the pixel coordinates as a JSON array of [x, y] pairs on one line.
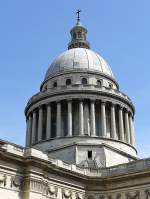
[[80, 140]]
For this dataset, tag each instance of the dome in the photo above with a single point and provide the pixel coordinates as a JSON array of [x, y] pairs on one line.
[[79, 59]]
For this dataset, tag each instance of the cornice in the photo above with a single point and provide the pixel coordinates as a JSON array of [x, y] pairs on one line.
[[63, 93]]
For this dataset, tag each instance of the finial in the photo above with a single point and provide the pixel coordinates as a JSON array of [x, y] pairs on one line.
[[78, 35], [78, 15]]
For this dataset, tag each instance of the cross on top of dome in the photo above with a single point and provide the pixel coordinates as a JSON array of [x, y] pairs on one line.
[[78, 35], [78, 15]]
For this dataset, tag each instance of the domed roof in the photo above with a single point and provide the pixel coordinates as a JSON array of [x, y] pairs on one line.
[[79, 59]]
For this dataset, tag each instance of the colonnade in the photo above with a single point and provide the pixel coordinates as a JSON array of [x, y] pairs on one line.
[[121, 122]]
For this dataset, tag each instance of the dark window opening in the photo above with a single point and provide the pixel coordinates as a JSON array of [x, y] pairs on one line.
[[89, 154], [84, 81], [110, 85], [68, 82], [99, 83], [55, 84]]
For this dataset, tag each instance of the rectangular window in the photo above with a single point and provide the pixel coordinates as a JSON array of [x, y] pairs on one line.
[[89, 154]]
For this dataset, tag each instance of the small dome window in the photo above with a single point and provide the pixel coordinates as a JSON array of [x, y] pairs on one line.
[[99, 83], [68, 82], [84, 81], [55, 84], [110, 85]]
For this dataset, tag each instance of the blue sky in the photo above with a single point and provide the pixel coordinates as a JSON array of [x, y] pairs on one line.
[[34, 32]]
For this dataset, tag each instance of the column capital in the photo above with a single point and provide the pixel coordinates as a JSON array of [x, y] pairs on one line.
[[121, 107], [69, 100], [103, 101], [40, 106], [48, 104], [34, 110], [113, 104], [58, 101], [92, 100], [127, 111], [29, 115], [80, 99]]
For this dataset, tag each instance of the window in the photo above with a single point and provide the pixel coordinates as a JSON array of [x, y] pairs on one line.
[[68, 82], [55, 84], [89, 154], [79, 34], [84, 81], [110, 85], [74, 35], [99, 83]]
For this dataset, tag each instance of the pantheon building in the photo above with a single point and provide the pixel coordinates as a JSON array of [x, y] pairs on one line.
[[80, 138]]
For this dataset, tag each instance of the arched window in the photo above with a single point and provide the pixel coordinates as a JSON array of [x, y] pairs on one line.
[[68, 82], [84, 81], [55, 84], [99, 83]]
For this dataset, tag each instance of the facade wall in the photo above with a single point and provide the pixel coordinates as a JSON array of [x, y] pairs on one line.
[[31, 174]]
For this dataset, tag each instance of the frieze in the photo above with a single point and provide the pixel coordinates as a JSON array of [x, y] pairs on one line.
[[16, 182], [52, 190], [135, 195], [3, 179], [118, 196], [79, 196], [36, 186], [147, 192], [101, 197], [66, 194]]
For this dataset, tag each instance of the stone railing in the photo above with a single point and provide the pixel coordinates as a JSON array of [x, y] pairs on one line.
[[132, 167], [14, 149]]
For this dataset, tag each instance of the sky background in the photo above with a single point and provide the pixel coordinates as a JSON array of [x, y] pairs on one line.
[[34, 32]]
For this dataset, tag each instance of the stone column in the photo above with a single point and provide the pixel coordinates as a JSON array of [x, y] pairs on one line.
[[34, 127], [92, 113], [81, 122], [48, 122], [69, 118], [29, 129], [40, 124], [127, 130], [103, 118], [113, 122], [132, 134], [121, 127], [58, 124]]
